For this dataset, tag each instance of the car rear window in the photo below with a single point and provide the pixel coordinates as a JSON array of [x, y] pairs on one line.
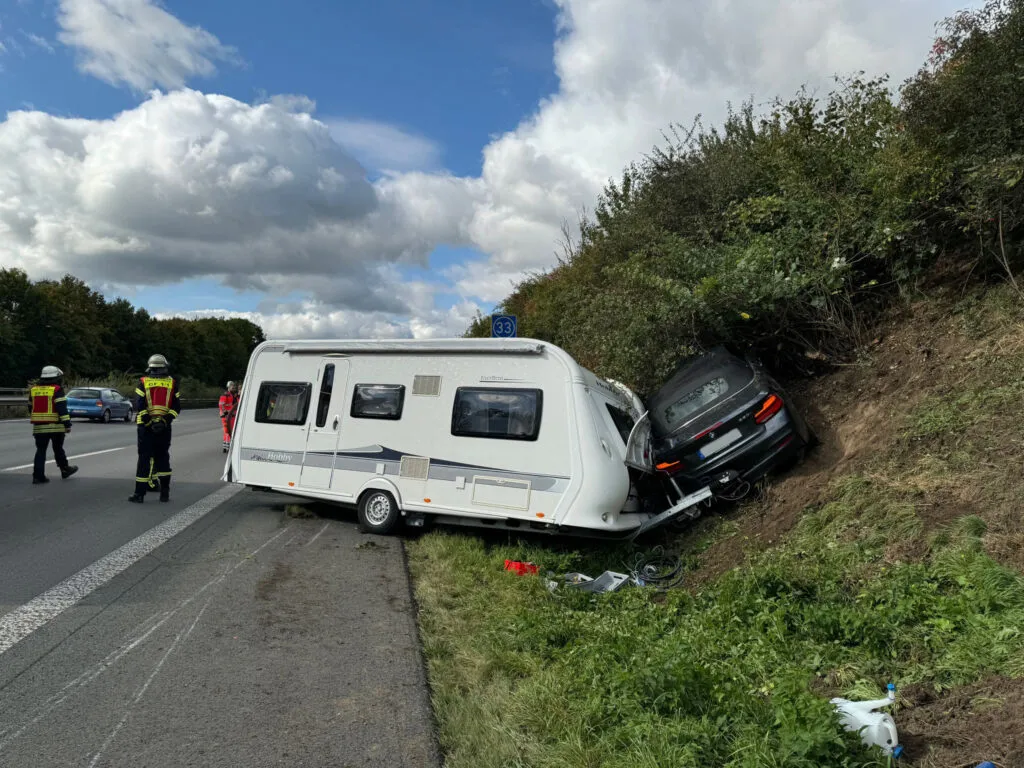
[[696, 400], [696, 387], [85, 394]]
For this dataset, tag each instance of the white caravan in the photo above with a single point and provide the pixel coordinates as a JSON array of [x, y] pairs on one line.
[[506, 433]]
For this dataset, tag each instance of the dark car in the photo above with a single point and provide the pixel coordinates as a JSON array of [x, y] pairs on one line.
[[99, 404], [718, 414]]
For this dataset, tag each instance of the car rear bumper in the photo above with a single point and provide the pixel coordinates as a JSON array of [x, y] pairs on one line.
[[84, 411], [755, 459]]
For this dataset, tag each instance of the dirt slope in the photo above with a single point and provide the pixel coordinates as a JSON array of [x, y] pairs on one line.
[[931, 410]]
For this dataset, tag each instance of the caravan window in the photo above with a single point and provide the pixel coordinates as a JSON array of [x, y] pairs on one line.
[[623, 422], [378, 401], [509, 414], [326, 387], [283, 402]]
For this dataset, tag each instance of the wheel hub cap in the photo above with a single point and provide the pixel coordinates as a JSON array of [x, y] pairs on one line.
[[378, 509]]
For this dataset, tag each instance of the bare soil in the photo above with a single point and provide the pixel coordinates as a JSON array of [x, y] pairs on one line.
[[966, 726]]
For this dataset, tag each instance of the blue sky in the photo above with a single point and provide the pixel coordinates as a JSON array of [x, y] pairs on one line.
[[452, 73], [372, 168]]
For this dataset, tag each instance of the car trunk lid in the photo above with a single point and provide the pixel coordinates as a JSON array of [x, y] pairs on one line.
[[705, 410]]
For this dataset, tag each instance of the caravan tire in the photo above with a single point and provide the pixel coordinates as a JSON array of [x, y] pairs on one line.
[[378, 512]]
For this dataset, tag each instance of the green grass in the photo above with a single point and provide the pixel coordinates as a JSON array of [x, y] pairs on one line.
[[524, 677]]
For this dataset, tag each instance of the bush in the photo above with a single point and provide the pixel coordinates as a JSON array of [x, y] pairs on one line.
[[787, 233]]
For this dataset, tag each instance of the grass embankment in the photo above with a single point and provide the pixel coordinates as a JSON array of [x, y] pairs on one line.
[[905, 566]]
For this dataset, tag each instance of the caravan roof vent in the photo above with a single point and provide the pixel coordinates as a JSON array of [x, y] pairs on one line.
[[415, 467], [426, 385]]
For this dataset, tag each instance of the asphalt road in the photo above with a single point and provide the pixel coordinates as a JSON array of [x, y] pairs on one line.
[[49, 532], [249, 638]]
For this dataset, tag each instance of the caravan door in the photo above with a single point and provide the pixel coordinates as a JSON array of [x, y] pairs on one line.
[[325, 424], [639, 447]]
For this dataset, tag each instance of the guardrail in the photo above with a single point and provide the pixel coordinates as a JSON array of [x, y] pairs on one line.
[[16, 397], [13, 396]]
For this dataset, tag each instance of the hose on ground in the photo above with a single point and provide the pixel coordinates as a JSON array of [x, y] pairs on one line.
[[656, 569]]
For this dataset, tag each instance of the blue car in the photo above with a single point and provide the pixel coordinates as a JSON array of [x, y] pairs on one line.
[[99, 404]]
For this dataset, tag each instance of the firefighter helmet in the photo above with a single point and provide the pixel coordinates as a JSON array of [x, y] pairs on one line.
[[231, 384], [51, 372], [156, 363]]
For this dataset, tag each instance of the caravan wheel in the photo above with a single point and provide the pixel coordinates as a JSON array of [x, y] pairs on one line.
[[378, 512]]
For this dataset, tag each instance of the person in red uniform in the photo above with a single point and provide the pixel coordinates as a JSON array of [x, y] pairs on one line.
[[48, 413], [157, 405], [228, 412]]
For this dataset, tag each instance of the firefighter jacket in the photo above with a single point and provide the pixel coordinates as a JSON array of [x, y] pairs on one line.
[[48, 409], [157, 399], [228, 405]]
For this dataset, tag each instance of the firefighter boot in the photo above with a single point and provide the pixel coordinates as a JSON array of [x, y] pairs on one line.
[[165, 488], [140, 493], [68, 471]]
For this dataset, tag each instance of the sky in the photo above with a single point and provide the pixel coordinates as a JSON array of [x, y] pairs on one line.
[[372, 168]]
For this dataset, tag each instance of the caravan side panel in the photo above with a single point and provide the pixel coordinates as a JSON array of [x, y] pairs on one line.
[[270, 431], [476, 435]]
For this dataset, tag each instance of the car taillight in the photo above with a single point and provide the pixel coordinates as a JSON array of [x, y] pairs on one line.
[[99, 403], [670, 467], [769, 408]]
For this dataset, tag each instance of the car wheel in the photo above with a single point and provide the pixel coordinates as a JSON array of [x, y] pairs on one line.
[[106, 416], [128, 416], [378, 512]]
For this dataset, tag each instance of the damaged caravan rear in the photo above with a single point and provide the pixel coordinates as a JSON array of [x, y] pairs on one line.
[[498, 433]]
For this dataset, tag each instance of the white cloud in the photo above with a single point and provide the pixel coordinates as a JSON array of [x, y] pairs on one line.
[[630, 68], [138, 43], [386, 147], [290, 102], [266, 196], [316, 322], [188, 184], [39, 41]]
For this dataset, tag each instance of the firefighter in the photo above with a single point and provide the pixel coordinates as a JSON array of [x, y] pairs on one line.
[[48, 409], [157, 405], [228, 406]]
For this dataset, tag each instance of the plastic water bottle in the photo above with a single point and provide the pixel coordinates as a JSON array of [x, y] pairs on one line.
[[875, 728]]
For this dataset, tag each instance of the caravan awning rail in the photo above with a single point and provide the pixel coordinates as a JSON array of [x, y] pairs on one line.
[[411, 346]]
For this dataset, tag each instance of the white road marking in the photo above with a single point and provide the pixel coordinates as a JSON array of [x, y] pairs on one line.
[[23, 621], [318, 534], [113, 657], [70, 458]]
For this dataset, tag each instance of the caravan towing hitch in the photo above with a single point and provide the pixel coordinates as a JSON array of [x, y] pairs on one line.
[[687, 502]]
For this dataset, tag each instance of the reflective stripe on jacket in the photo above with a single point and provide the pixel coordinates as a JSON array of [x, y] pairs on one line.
[[48, 409], [157, 398], [228, 403]]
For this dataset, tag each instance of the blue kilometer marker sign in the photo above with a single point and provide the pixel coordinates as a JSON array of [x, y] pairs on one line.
[[503, 326]]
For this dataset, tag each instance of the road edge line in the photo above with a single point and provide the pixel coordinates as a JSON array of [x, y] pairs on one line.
[[18, 624]]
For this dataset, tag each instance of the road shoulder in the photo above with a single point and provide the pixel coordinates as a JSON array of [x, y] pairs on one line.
[[266, 640]]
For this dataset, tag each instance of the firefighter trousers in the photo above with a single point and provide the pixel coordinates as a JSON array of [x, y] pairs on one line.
[[154, 468], [42, 443]]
